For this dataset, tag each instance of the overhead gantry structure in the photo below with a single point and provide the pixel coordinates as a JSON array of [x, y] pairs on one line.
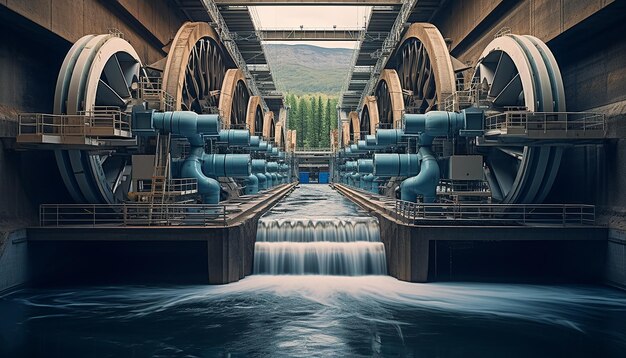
[[434, 137], [169, 131]]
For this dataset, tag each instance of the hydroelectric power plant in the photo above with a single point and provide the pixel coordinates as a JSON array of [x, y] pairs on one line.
[[163, 195]]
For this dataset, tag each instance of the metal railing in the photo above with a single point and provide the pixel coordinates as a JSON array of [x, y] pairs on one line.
[[313, 150], [172, 185], [106, 118], [460, 100], [132, 214], [547, 122], [498, 214], [151, 89], [51, 124], [100, 121]]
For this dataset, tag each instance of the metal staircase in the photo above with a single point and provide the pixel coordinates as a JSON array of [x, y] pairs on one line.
[[160, 179]]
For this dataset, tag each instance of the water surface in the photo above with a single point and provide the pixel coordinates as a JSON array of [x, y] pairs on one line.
[[315, 316]]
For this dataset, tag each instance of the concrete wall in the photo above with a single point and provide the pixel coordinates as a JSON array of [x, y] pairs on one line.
[[14, 268], [147, 25], [616, 259]]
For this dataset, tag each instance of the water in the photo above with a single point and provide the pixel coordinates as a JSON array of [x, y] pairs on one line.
[[315, 315], [315, 231]]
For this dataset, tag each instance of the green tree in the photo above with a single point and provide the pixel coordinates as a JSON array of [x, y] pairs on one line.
[[292, 102], [312, 131], [333, 113], [327, 123], [302, 122]]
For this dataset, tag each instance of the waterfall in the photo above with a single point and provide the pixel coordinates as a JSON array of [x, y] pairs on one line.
[[328, 246]]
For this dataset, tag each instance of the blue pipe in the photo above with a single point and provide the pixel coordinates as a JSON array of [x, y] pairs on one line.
[[424, 183], [259, 167], [252, 185], [226, 165], [235, 137], [208, 188], [469, 122], [389, 137], [356, 179], [255, 140], [368, 180], [187, 124], [396, 165], [365, 166]]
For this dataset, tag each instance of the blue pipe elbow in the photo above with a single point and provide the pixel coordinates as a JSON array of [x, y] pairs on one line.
[[208, 188], [367, 181], [252, 185], [356, 177], [262, 181], [424, 183]]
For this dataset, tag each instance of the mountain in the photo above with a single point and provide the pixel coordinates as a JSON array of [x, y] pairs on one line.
[[302, 69]]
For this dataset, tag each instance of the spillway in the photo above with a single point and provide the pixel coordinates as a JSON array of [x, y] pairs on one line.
[[309, 241]]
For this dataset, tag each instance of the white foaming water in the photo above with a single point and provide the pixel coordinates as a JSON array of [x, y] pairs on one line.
[[320, 258], [312, 244], [350, 229]]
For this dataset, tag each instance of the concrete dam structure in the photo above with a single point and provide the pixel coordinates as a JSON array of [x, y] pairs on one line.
[[152, 169]]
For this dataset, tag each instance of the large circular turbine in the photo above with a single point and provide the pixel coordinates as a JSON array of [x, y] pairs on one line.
[[195, 68], [354, 127], [424, 69], [201, 77], [520, 71], [255, 116], [389, 101], [97, 71], [234, 98], [269, 126], [369, 116]]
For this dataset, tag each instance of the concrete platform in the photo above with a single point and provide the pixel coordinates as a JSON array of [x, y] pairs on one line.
[[424, 253], [178, 254]]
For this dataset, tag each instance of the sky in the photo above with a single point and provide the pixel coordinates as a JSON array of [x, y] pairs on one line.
[[312, 17]]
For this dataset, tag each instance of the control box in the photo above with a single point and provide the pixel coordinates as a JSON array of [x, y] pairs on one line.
[[466, 167]]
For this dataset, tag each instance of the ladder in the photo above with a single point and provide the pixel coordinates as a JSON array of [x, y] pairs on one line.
[[160, 177]]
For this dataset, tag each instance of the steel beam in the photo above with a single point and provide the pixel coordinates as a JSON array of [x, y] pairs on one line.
[[227, 40], [307, 2]]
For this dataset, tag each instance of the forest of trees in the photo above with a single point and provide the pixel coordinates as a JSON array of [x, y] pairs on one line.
[[313, 117]]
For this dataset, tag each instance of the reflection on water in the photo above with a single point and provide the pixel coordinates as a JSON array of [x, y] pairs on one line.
[[316, 316], [315, 201]]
